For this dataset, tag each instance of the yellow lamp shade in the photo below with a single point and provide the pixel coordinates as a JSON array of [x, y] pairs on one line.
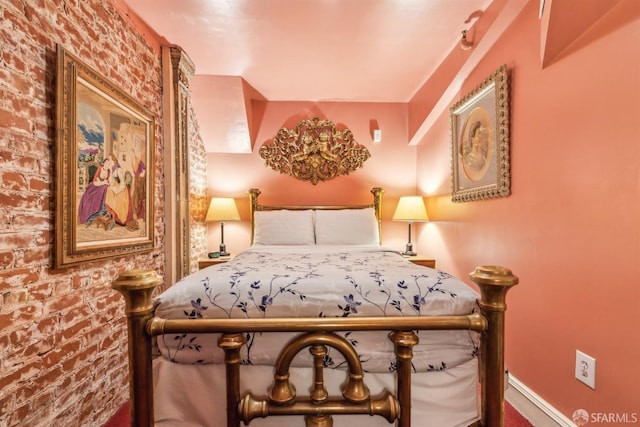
[[222, 209], [412, 209]]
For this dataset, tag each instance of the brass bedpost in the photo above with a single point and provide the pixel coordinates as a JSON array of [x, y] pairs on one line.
[[377, 206], [494, 282], [231, 344], [403, 341], [253, 206], [137, 287]]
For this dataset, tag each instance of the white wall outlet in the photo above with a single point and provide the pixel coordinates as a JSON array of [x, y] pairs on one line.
[[586, 369]]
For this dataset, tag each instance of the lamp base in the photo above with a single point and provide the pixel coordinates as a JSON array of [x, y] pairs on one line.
[[408, 251], [223, 250]]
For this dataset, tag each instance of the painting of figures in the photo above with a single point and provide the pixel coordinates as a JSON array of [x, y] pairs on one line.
[[105, 187]]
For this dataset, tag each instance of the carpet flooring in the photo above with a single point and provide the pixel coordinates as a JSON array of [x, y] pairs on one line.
[[511, 417]]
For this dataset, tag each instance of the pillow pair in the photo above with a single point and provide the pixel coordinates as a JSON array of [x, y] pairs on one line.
[[321, 227]]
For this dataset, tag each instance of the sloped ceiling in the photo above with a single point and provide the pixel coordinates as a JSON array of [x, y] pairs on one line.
[[303, 50], [329, 50]]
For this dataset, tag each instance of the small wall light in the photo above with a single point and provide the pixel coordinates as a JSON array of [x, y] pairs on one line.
[[377, 135], [465, 44], [222, 209], [410, 209], [374, 129]]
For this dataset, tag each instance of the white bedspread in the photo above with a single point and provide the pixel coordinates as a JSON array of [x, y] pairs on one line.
[[193, 395], [320, 281]]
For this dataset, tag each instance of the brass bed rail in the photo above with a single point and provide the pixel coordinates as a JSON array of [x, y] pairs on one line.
[[494, 282], [158, 326]]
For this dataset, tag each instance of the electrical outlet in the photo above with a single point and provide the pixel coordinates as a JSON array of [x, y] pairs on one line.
[[586, 369]]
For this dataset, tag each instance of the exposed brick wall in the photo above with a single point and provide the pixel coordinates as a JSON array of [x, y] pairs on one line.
[[62, 332], [197, 191]]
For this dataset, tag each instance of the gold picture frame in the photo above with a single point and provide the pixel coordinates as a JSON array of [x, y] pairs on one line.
[[104, 167], [480, 141]]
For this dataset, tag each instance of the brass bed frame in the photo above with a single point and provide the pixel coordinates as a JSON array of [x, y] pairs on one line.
[[137, 287]]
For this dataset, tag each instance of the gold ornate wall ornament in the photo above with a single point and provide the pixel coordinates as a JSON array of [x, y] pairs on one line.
[[314, 151]]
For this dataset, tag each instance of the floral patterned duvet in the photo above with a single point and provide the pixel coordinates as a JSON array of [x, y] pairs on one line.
[[319, 281]]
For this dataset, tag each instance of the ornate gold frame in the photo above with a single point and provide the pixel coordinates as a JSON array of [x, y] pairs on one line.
[[104, 167], [480, 141], [314, 151]]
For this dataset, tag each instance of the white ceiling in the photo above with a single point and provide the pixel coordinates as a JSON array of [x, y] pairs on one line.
[[305, 50]]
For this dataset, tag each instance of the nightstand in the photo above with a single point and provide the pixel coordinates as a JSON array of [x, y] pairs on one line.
[[422, 260], [206, 262]]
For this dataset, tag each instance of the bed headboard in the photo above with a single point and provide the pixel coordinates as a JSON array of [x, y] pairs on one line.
[[255, 206]]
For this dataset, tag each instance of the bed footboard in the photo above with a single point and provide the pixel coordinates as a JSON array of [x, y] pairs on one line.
[[137, 287]]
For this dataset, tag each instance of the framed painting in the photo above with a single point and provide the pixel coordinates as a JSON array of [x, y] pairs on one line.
[[480, 141], [104, 167]]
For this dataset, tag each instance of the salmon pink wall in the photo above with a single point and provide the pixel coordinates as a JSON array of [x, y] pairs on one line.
[[392, 166], [570, 229]]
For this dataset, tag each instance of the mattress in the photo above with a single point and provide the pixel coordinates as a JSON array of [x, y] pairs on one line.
[[319, 281]]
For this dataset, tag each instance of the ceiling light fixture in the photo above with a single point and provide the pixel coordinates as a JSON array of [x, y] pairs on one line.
[[465, 44]]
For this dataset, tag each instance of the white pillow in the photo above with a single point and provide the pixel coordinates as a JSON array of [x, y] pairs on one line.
[[283, 227], [347, 227]]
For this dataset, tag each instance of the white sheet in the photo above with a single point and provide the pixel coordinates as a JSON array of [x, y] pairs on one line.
[[194, 395]]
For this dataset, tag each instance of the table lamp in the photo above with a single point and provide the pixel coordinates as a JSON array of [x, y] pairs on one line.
[[410, 209], [222, 209]]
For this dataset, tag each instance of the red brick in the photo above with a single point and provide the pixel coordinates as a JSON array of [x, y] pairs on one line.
[[5, 344], [37, 256], [39, 184], [29, 220], [7, 259], [62, 286], [15, 297], [23, 373], [48, 325], [15, 200], [40, 292], [62, 303], [79, 358], [45, 397], [20, 334], [19, 415], [76, 313], [83, 372], [75, 329], [80, 282], [14, 240], [25, 313], [40, 347], [6, 403], [13, 181], [71, 390]]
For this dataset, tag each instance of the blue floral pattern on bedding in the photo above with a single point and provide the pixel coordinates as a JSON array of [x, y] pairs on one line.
[[294, 282]]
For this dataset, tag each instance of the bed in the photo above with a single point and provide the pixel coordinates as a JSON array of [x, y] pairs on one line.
[[317, 323]]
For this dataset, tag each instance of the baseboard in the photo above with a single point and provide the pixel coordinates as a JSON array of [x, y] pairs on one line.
[[533, 407]]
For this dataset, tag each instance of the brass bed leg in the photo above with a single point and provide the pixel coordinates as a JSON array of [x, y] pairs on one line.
[[231, 344], [403, 343], [137, 286], [494, 282]]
